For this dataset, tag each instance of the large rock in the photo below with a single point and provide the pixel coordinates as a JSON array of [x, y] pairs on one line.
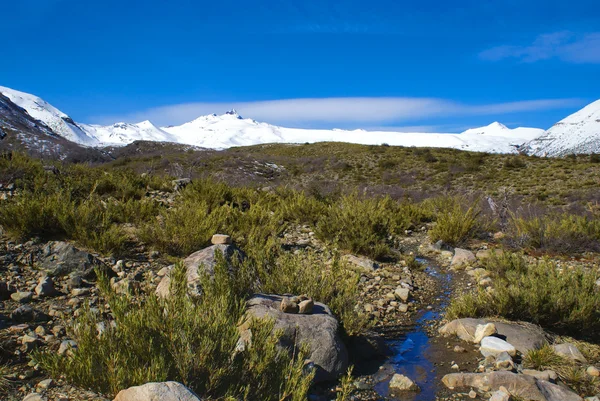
[[165, 391], [201, 262], [569, 351], [519, 385], [554, 392], [462, 257], [45, 287], [318, 330], [362, 264], [400, 383], [494, 346], [523, 336], [61, 258], [483, 330]]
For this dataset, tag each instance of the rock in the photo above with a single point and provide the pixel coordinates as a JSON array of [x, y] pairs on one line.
[[554, 392], [45, 287], [65, 346], [165, 391], [500, 395], [288, 306], [45, 384], [518, 385], [504, 362], [403, 308], [494, 346], [483, 330], [318, 330], [79, 292], [203, 261], [593, 371], [124, 286], [569, 351], [402, 383], [26, 314], [5, 291], [306, 306], [181, 183], [548, 375], [34, 397], [61, 258], [523, 336], [361, 264], [462, 257], [220, 239], [402, 294], [22, 296], [472, 394], [459, 349]]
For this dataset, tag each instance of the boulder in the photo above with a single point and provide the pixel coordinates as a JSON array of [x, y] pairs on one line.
[[22, 297], [361, 264], [288, 306], [318, 330], [569, 351], [483, 330], [518, 385], [523, 336], [61, 258], [462, 257], [26, 314], [402, 383], [306, 306], [220, 239], [45, 287], [495, 346], [548, 375], [504, 362], [198, 263], [554, 392], [165, 391]]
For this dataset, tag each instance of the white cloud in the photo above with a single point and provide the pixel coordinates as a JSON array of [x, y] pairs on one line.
[[565, 46], [332, 111]]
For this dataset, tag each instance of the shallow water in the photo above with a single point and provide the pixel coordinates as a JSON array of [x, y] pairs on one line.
[[412, 355]]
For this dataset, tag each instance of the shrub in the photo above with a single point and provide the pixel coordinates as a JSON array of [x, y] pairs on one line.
[[192, 341], [456, 220], [562, 300], [542, 358]]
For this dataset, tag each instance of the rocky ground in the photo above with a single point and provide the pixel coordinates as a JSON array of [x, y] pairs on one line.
[[470, 359]]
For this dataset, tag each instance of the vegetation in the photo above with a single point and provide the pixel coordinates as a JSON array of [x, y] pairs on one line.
[[456, 220]]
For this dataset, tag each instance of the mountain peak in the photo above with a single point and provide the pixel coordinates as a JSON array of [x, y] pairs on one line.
[[497, 125], [233, 113]]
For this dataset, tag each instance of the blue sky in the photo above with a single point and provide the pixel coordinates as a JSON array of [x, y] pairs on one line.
[[433, 65]]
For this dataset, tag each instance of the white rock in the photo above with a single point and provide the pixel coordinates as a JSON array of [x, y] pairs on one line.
[[166, 391], [402, 383], [495, 346], [484, 330]]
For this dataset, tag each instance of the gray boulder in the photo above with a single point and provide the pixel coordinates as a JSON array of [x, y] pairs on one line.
[[61, 259], [165, 391], [45, 287], [519, 385], [198, 263], [318, 330], [523, 336], [554, 392], [569, 351], [462, 257]]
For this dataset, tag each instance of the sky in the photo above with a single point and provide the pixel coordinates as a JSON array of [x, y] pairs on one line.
[[430, 65]]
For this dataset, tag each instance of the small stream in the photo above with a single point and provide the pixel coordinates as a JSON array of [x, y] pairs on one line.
[[412, 355]]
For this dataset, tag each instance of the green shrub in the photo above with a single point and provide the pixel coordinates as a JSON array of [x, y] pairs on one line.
[[456, 219], [192, 341], [542, 358], [562, 300]]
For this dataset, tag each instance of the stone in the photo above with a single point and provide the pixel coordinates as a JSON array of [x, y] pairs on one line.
[[459, 349], [124, 286], [319, 331], [548, 375], [494, 346], [22, 296], [34, 397], [483, 330], [504, 362], [288, 306], [181, 183], [402, 294], [79, 292], [569, 351], [403, 308], [518, 385], [462, 257], [402, 383], [199, 263], [220, 239], [60, 258], [165, 391], [554, 392], [523, 336], [27, 314], [361, 264], [593, 371], [45, 287], [65, 346], [45, 384], [306, 306], [472, 394], [5, 291], [500, 395]]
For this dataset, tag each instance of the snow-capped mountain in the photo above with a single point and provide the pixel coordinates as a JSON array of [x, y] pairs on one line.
[[578, 133]]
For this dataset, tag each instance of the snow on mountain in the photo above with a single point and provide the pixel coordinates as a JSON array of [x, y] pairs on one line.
[[42, 111], [578, 133], [124, 133]]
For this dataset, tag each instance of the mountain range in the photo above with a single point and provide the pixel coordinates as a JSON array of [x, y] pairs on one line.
[[33, 121]]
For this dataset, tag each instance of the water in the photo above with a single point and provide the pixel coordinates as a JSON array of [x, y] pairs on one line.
[[412, 353]]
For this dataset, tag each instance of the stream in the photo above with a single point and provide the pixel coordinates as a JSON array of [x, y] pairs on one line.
[[413, 354]]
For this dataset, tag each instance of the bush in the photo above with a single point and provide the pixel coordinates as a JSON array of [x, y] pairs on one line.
[[562, 300], [192, 341], [456, 221]]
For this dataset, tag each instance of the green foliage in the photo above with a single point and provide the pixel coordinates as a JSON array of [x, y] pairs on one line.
[[457, 220], [562, 300], [542, 358], [346, 386], [185, 339]]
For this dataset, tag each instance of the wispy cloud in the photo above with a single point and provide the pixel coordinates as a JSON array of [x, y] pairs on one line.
[[330, 111], [565, 46]]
